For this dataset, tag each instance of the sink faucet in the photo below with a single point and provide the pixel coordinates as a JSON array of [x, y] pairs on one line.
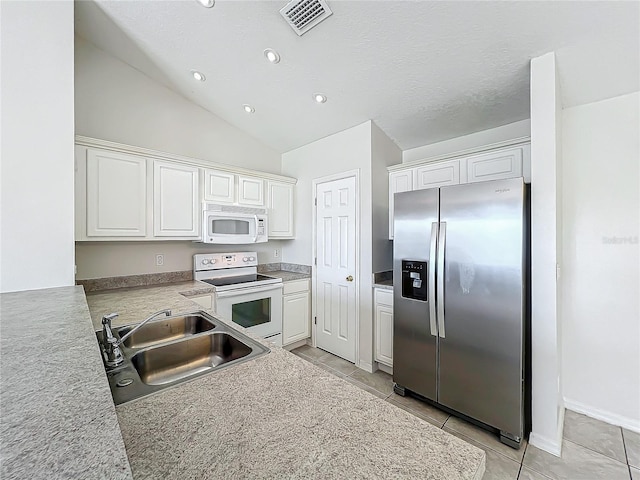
[[111, 345]]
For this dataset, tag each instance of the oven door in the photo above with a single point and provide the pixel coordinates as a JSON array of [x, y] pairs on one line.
[[259, 309], [229, 228]]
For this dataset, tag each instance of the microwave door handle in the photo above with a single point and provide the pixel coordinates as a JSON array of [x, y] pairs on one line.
[[243, 291], [255, 239]]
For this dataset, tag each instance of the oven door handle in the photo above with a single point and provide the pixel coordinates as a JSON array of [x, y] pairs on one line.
[[244, 291]]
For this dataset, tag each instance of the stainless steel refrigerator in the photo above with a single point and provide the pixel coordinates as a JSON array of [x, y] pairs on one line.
[[459, 275]]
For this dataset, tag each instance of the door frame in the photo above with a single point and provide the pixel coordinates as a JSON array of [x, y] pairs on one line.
[[314, 248]]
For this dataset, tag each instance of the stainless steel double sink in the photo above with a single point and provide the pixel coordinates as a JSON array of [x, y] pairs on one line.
[[175, 349]]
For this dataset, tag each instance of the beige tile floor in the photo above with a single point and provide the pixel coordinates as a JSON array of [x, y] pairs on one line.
[[592, 450]]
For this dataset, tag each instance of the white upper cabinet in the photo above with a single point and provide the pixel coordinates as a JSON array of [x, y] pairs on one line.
[[116, 194], [135, 194], [176, 208], [398, 182], [250, 191], [219, 187], [492, 166], [226, 187], [280, 214], [507, 162], [437, 175]]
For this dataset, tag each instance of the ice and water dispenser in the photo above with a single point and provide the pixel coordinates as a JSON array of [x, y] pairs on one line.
[[414, 279]]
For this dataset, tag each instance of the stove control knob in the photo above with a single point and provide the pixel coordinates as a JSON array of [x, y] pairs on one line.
[[245, 259], [212, 261], [205, 261], [252, 258]]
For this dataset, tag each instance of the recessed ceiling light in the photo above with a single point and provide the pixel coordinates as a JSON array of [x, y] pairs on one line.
[[272, 55], [207, 3], [248, 108], [198, 76], [319, 97]]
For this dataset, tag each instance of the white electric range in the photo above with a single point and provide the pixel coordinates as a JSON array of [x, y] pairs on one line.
[[241, 294]]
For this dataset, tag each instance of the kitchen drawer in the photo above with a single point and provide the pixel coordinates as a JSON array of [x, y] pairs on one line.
[[384, 297], [295, 287]]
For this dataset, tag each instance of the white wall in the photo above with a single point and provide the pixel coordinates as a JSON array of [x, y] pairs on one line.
[[37, 145], [601, 206], [466, 142], [341, 152], [384, 153], [113, 259], [116, 102], [546, 246]]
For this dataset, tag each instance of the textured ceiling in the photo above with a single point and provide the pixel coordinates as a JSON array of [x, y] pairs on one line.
[[424, 71]]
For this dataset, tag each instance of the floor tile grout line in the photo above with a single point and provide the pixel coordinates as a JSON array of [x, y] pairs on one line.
[[486, 446], [595, 451], [624, 446]]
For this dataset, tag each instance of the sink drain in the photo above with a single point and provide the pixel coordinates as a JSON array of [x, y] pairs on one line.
[[124, 382]]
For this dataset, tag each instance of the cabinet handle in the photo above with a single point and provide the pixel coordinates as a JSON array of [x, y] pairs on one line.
[[350, 278]]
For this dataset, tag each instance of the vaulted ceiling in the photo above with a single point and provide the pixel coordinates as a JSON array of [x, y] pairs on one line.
[[424, 71]]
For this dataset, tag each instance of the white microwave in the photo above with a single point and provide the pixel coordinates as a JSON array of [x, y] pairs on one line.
[[229, 224]]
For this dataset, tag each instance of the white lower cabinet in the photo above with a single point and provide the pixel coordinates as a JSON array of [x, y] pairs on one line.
[[383, 301], [205, 301], [296, 318]]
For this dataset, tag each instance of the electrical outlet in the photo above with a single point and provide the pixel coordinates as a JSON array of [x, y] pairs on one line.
[[159, 260], [276, 253]]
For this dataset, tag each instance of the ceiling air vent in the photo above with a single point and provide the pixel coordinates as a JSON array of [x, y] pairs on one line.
[[303, 15]]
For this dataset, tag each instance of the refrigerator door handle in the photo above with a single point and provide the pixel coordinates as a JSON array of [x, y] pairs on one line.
[[442, 236], [432, 279]]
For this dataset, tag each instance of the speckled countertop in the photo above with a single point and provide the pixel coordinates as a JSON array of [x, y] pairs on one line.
[[273, 417], [287, 276], [58, 419], [384, 284]]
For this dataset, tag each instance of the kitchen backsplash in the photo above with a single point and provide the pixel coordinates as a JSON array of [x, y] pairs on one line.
[[287, 267], [144, 280]]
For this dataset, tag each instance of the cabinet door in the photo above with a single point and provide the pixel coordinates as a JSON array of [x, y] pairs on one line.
[[116, 194], [250, 191], [494, 165], [219, 187], [280, 210], [175, 200], [295, 317], [437, 175], [205, 301], [384, 334], [398, 182]]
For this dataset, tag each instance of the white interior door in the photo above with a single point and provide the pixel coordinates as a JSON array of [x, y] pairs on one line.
[[336, 280]]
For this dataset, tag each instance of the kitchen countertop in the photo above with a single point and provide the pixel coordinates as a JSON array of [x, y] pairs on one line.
[[287, 276], [58, 419], [273, 417], [384, 284]]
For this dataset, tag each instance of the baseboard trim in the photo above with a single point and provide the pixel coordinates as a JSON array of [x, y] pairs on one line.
[[385, 368], [294, 345], [551, 446], [598, 414], [367, 367]]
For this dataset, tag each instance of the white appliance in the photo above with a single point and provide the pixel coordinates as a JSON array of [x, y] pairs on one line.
[[229, 224], [241, 294]]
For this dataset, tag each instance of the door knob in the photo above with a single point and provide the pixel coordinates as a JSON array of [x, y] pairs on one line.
[[350, 278]]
